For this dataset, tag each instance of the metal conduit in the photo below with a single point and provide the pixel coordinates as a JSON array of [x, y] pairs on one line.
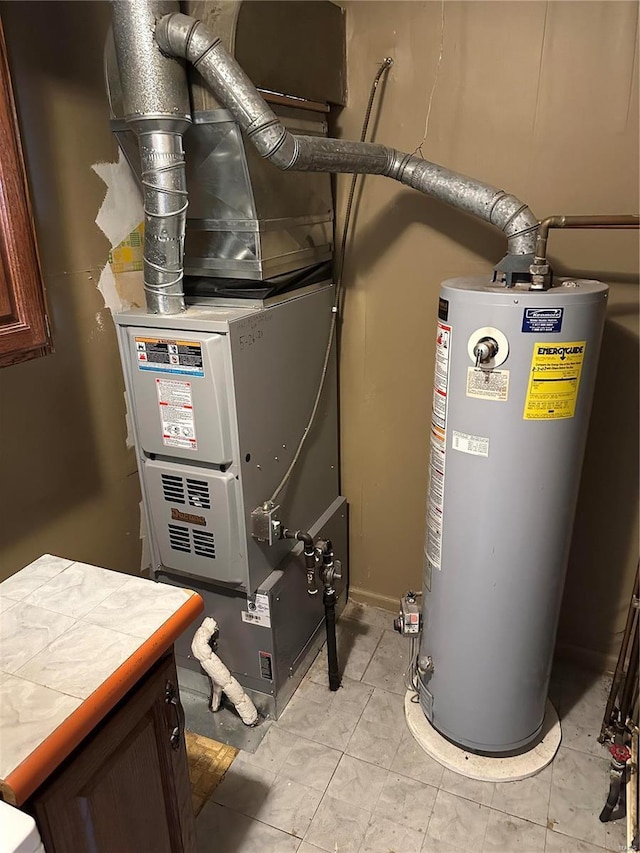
[[183, 36]]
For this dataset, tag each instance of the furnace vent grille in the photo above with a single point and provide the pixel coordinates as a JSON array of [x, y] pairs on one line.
[[180, 539], [204, 544], [173, 489], [198, 493]]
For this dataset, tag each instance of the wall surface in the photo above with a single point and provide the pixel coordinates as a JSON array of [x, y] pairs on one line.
[[69, 483], [542, 100]]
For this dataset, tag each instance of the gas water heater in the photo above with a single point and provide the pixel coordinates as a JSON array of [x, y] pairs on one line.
[[513, 386]]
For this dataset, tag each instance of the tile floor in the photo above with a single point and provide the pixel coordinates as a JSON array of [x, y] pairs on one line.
[[341, 773]]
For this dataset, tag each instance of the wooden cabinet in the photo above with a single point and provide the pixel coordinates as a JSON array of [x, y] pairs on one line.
[[24, 329], [126, 788]]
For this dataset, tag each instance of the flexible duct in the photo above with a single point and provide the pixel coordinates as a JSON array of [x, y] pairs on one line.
[[156, 103], [183, 36]]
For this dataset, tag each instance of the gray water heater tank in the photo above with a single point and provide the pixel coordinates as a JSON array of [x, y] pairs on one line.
[[514, 379]]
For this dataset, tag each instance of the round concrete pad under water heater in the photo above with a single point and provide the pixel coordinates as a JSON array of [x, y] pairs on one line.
[[481, 767]]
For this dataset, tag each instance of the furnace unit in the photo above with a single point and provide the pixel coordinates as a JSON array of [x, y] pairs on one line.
[[220, 394]]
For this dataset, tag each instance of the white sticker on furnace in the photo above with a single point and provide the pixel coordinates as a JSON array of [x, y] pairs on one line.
[[259, 614], [488, 384], [476, 445], [176, 414]]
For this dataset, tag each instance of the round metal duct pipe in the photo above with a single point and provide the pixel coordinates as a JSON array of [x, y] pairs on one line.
[[156, 104]]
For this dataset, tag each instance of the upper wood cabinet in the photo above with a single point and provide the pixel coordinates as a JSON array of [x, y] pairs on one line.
[[24, 328]]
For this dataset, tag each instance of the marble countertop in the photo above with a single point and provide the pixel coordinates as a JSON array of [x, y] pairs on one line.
[[74, 638]]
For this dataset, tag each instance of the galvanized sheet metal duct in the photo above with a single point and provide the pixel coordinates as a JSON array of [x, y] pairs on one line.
[[156, 104], [183, 36]]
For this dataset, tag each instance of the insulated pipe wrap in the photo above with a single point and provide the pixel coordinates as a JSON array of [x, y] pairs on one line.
[[180, 35], [220, 676]]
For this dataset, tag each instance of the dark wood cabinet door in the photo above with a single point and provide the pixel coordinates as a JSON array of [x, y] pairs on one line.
[[126, 790], [24, 329]]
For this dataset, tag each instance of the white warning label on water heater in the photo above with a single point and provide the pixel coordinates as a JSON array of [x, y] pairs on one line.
[[435, 503], [476, 445], [176, 414], [488, 384]]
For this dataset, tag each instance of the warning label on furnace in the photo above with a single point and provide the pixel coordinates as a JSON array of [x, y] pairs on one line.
[[554, 380], [176, 414], [488, 384], [435, 504], [168, 356]]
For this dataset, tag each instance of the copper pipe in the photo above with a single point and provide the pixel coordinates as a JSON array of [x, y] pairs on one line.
[[621, 665], [578, 222]]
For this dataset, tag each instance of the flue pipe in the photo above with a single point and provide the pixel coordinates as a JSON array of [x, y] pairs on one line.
[[186, 37], [156, 102]]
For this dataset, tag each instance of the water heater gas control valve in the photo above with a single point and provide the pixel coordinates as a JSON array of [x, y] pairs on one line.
[[409, 619]]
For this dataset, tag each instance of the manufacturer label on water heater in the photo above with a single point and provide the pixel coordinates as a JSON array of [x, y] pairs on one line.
[[435, 505], [542, 320], [554, 380]]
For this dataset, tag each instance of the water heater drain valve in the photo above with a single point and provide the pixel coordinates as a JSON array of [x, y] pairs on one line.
[[409, 620]]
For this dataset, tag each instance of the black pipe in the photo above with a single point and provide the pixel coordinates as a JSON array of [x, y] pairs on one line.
[[329, 600], [309, 556], [329, 596]]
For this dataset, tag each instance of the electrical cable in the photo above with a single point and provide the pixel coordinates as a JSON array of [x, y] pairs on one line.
[[336, 307]]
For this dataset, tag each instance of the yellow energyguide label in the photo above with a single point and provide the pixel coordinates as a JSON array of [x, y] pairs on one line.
[[554, 380]]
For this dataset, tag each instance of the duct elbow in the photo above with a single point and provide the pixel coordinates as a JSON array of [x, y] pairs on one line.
[[188, 38], [517, 222], [172, 33]]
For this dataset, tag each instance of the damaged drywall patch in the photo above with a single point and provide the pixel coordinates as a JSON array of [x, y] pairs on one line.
[[121, 210], [120, 220]]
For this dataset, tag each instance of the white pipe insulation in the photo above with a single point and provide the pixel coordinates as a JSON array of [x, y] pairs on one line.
[[221, 678]]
